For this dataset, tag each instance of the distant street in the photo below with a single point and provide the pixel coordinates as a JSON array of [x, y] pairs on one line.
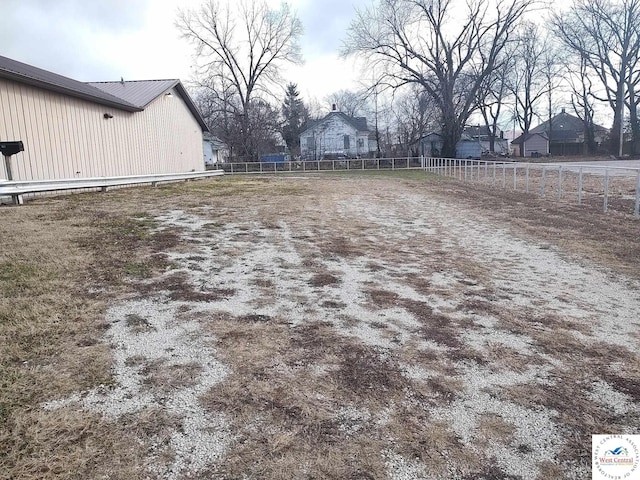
[[616, 167]]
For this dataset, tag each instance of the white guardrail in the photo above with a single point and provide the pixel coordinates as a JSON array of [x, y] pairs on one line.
[[17, 188]]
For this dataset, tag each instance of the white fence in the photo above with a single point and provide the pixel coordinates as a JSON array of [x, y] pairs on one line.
[[604, 187], [347, 164], [585, 184], [16, 189]]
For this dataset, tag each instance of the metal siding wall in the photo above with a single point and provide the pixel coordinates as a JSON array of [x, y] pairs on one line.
[[64, 135]]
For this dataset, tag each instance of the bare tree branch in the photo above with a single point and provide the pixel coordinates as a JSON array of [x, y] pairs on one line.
[[240, 48]]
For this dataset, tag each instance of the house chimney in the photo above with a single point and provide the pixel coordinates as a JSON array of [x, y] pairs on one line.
[[563, 111], [333, 107]]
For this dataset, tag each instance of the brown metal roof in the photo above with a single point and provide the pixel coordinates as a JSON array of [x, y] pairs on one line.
[[21, 72], [139, 92], [129, 96], [142, 92]]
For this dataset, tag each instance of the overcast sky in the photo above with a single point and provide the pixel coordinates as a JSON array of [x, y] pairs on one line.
[[100, 40]]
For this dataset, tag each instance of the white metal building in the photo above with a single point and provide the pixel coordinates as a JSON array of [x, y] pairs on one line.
[[74, 129]]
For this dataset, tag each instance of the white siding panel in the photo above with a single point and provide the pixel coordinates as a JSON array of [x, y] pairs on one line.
[[64, 135]]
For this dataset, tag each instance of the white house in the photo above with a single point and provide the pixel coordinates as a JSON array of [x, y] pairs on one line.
[[215, 151], [75, 129], [336, 135]]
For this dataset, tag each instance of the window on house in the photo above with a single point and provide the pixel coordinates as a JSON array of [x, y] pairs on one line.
[[360, 143], [347, 142], [310, 142]]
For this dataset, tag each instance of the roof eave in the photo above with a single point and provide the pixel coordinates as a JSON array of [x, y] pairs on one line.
[[67, 91], [190, 105]]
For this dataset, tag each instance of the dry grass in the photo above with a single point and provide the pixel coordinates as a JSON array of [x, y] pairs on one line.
[[359, 326]]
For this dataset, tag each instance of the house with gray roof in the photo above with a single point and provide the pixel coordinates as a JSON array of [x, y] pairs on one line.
[[337, 135], [76, 129], [563, 135]]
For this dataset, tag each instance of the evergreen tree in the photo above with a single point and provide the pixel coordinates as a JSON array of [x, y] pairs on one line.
[[295, 116]]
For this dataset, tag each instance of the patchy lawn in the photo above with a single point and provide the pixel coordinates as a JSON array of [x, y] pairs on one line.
[[348, 326]]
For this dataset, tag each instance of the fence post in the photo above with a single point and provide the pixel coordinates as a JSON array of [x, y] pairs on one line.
[[486, 172], [527, 178], [275, 167], [260, 167], [559, 182], [393, 164], [580, 186], [542, 181], [636, 212], [231, 168], [605, 205]]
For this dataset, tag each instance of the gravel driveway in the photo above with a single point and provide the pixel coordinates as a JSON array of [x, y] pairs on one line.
[[360, 328]]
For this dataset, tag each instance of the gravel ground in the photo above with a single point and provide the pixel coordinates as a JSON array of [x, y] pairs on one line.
[[374, 262]]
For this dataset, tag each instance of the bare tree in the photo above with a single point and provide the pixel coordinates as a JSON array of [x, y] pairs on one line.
[[447, 53], [607, 36], [528, 82], [349, 102], [239, 51], [582, 100], [494, 95], [415, 114]]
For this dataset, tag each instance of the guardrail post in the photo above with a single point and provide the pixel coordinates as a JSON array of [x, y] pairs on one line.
[[636, 211], [542, 181], [605, 205], [580, 186], [559, 182]]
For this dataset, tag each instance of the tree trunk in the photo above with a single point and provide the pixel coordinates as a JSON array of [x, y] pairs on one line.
[[633, 117], [451, 134], [618, 120]]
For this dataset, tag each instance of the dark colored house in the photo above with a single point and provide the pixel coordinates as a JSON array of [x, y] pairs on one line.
[[563, 135]]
